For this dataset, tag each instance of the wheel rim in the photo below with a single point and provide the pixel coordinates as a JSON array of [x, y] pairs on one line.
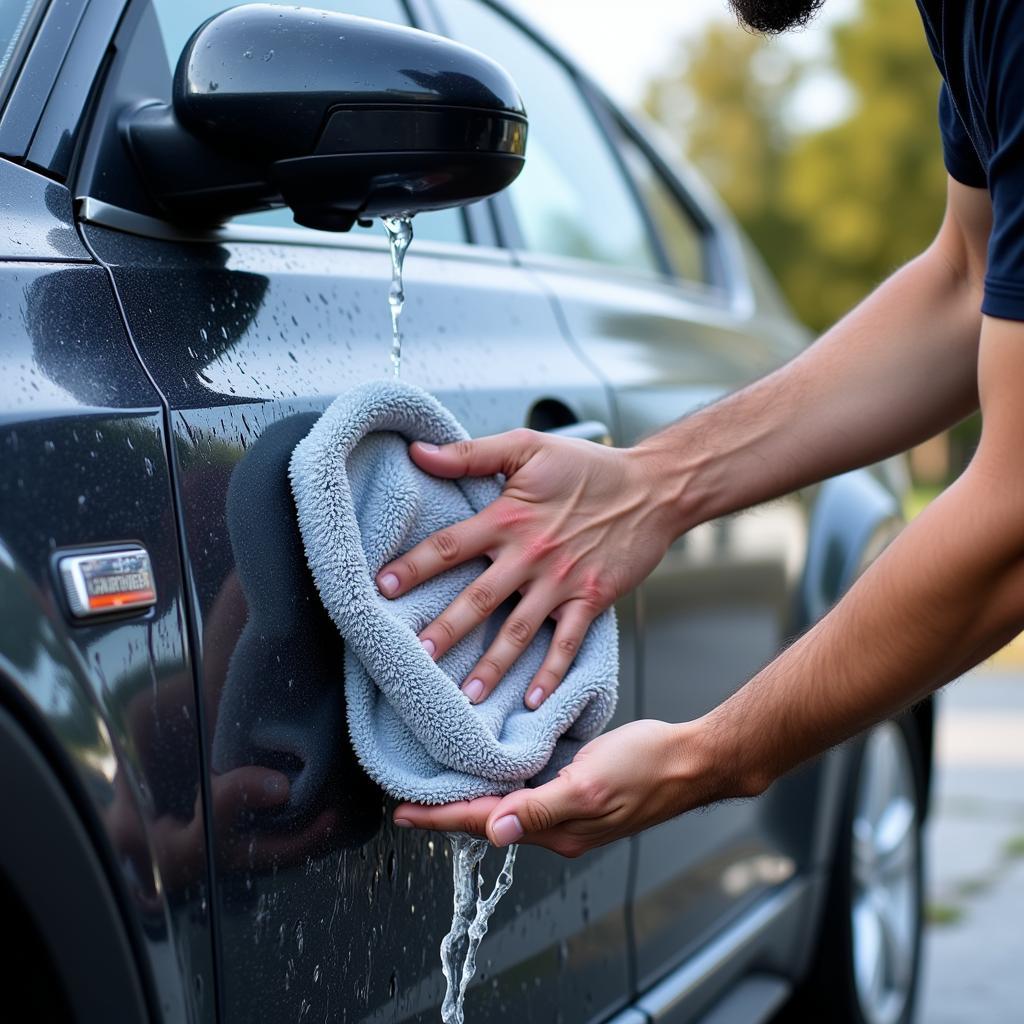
[[885, 907]]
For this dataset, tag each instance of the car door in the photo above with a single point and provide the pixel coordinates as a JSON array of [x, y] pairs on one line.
[[102, 863], [322, 910], [671, 322]]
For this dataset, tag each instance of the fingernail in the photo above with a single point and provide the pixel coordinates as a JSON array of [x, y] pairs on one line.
[[275, 785], [403, 822], [426, 446], [428, 645], [507, 830], [536, 695], [388, 583], [474, 690]]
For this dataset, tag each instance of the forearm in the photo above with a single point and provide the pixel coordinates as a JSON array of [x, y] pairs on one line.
[[896, 370], [943, 597]]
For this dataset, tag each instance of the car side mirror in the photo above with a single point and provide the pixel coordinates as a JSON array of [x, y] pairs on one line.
[[336, 116]]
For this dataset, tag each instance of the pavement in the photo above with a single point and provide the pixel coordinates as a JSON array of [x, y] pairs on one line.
[[973, 969]]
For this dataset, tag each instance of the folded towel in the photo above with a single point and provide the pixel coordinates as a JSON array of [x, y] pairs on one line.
[[361, 502]]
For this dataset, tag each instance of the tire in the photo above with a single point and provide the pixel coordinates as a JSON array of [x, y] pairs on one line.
[[869, 952]]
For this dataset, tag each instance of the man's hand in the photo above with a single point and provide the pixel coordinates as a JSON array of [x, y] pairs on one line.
[[577, 525], [629, 779]]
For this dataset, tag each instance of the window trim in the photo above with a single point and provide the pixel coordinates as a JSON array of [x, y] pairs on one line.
[[718, 290], [716, 277], [40, 64], [601, 109], [21, 49], [130, 222], [507, 224]]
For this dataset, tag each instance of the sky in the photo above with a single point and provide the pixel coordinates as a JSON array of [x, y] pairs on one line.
[[623, 53]]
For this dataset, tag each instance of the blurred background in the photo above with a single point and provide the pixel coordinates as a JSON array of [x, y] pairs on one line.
[[825, 146]]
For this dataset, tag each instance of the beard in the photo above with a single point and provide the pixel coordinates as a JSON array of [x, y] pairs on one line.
[[773, 16]]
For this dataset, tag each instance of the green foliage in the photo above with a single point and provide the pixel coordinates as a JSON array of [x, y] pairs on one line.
[[942, 913], [832, 211]]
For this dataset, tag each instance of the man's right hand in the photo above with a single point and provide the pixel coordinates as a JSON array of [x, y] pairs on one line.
[[577, 525]]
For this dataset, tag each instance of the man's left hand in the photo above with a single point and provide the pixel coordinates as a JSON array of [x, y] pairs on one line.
[[622, 782]]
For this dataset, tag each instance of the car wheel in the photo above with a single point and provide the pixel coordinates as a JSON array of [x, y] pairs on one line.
[[868, 959]]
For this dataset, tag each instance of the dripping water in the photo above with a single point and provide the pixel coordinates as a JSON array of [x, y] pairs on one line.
[[399, 231], [471, 914]]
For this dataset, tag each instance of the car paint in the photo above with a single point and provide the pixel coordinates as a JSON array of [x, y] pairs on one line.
[[150, 399], [84, 463], [247, 342]]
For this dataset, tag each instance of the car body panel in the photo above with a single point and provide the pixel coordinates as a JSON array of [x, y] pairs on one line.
[[248, 342], [715, 610], [84, 466], [38, 219]]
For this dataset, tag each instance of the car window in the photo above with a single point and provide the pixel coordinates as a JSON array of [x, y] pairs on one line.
[[17, 18], [572, 198], [180, 18], [682, 237]]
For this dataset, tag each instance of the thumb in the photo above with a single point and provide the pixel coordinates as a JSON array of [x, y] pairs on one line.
[[527, 811], [500, 453]]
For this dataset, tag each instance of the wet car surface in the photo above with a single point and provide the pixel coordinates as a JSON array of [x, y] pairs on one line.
[[156, 376]]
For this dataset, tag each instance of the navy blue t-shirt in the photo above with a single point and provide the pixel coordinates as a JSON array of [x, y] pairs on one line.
[[979, 47]]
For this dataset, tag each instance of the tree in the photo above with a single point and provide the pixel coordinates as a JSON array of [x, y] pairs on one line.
[[832, 211]]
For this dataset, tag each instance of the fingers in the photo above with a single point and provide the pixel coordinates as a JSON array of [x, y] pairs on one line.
[[440, 551], [500, 453], [529, 813], [474, 605], [465, 816], [571, 627], [561, 815], [513, 638]]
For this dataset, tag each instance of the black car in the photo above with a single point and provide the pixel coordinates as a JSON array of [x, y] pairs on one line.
[[187, 835]]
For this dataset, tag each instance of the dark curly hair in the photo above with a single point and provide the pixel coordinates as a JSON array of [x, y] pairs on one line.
[[771, 17]]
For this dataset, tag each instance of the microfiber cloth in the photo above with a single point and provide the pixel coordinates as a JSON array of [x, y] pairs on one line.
[[362, 502]]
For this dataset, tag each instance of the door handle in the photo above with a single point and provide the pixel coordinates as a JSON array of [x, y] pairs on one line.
[[586, 430]]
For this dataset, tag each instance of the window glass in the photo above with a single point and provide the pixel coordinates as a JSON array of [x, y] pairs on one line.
[[180, 18], [16, 20], [679, 232], [571, 198]]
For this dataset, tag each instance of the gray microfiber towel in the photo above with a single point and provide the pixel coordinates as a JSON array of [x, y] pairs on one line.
[[361, 502]]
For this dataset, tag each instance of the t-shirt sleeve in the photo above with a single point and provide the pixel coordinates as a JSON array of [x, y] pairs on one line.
[[958, 151], [1004, 281]]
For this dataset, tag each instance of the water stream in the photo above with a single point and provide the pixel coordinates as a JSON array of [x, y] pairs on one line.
[[471, 913], [459, 947], [399, 231]]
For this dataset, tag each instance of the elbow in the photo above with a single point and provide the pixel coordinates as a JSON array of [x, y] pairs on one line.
[[960, 276]]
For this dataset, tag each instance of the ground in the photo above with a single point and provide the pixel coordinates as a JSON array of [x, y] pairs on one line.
[[974, 952]]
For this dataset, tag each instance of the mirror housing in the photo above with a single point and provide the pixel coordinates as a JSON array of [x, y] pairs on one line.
[[336, 116]]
